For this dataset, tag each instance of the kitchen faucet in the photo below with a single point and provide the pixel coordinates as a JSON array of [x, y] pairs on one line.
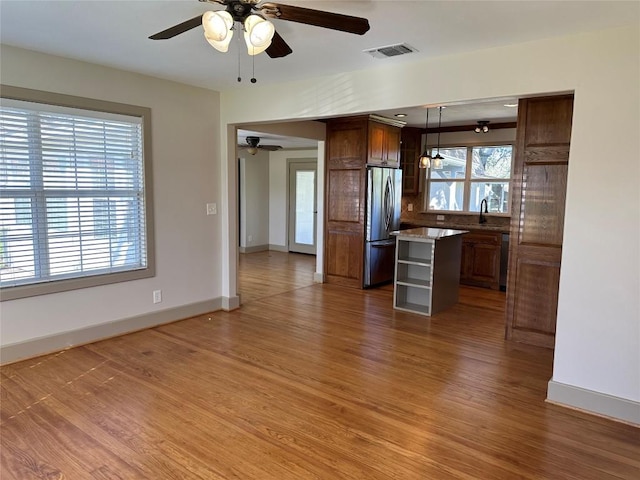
[[483, 219]]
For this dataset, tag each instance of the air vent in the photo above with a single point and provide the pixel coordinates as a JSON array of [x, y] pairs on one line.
[[391, 50]]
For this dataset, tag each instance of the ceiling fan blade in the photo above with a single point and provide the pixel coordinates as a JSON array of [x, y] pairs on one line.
[[270, 148], [178, 29], [278, 48], [319, 18]]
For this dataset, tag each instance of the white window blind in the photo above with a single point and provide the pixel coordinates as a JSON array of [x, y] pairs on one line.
[[72, 197]]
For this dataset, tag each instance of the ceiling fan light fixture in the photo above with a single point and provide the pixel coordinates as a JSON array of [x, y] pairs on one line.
[[252, 150], [218, 29], [258, 34]]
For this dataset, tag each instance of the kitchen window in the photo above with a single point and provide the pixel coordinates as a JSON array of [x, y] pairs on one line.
[[470, 174], [74, 199]]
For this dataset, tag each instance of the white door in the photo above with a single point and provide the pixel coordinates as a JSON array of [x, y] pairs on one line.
[[302, 207]]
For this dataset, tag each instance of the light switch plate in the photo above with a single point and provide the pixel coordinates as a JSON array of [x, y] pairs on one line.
[[410, 207], [212, 209]]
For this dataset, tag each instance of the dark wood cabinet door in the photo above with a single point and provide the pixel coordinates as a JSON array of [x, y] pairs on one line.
[[346, 156], [392, 146], [377, 133], [485, 265], [539, 192], [384, 145], [409, 152], [480, 265]]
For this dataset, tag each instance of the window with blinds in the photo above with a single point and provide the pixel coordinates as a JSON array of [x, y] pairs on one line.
[[72, 194]]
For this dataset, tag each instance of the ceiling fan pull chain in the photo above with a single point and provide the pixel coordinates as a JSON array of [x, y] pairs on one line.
[[239, 77], [253, 71]]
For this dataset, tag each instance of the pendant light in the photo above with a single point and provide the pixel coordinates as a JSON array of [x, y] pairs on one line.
[[437, 160], [425, 159]]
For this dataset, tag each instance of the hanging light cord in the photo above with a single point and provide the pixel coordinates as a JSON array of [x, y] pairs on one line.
[[439, 120], [426, 131]]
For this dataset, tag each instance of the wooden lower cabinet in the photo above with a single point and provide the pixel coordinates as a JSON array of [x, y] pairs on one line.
[[480, 265]]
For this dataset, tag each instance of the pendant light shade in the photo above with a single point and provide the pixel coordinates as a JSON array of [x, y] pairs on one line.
[[258, 33], [218, 29], [425, 159]]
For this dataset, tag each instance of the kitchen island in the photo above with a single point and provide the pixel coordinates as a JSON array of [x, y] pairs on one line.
[[427, 270]]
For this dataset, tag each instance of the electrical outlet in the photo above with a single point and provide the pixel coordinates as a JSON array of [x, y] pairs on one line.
[[250, 238], [440, 218], [157, 296], [212, 209], [410, 207]]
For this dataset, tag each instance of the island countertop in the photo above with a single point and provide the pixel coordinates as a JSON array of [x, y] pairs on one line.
[[428, 233]]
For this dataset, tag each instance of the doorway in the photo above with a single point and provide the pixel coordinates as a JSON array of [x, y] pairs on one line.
[[303, 211]]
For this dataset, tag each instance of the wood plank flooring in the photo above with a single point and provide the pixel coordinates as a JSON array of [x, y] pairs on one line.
[[305, 381], [265, 274]]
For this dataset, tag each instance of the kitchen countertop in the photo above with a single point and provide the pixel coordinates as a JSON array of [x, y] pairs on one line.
[[459, 226], [429, 233]]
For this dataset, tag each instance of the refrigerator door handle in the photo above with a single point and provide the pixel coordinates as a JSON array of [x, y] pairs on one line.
[[389, 203]]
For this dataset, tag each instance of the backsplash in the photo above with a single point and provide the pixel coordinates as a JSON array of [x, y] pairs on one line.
[[458, 219]]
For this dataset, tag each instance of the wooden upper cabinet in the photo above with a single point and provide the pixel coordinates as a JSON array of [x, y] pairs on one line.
[[384, 145], [410, 150]]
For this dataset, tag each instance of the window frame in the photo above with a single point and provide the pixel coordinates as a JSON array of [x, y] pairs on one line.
[[70, 101], [467, 181]]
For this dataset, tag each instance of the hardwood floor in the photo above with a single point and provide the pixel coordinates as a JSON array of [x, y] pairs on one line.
[[305, 381], [264, 274]]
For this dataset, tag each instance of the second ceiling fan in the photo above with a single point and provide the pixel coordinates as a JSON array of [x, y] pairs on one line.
[[259, 33], [253, 145]]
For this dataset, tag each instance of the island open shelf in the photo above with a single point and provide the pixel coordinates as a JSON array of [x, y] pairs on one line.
[[427, 271]]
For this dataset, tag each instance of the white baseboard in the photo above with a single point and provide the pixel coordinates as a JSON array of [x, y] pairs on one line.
[[617, 408], [230, 303], [279, 248], [318, 277], [254, 249], [60, 341]]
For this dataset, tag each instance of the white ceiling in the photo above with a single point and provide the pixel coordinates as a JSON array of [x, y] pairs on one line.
[[115, 33]]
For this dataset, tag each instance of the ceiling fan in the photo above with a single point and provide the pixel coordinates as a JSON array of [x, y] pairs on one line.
[[252, 146], [260, 35]]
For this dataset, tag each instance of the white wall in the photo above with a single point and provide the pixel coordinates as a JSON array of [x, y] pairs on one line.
[[186, 176], [598, 337], [254, 201], [279, 192]]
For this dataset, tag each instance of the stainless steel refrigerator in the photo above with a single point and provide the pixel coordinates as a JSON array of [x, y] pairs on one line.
[[383, 203]]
